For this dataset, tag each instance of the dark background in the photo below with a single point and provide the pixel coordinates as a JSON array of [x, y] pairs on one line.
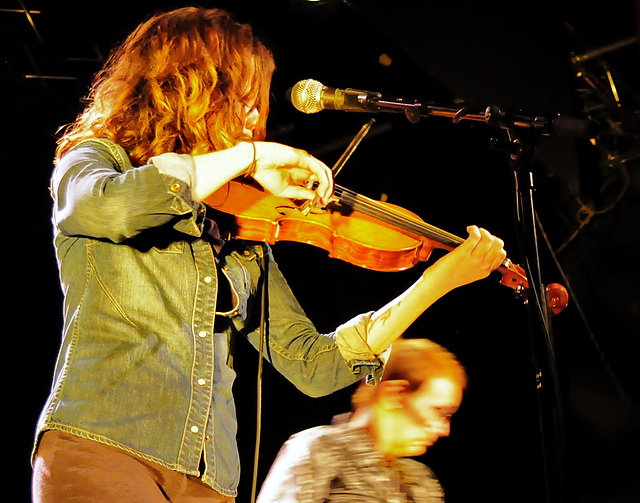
[[570, 434]]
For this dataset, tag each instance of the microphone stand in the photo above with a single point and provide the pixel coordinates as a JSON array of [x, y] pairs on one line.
[[521, 134], [543, 356]]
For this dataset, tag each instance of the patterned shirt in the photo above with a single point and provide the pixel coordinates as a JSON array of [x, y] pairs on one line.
[[339, 463]]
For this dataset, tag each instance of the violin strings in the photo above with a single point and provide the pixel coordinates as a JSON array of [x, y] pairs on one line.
[[372, 208], [377, 210]]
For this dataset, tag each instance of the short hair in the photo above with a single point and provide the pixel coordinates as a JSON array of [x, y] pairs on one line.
[[178, 83], [416, 361]]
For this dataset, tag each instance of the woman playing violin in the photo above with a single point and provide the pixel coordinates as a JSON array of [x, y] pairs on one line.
[[141, 407]]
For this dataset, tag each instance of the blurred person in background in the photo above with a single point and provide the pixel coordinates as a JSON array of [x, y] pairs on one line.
[[363, 456]]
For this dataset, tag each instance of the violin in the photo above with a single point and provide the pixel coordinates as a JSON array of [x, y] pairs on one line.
[[364, 232]]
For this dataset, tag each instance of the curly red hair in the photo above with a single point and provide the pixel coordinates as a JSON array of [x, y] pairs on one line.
[[182, 82]]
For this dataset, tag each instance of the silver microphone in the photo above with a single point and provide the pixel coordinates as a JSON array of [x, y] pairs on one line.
[[310, 96]]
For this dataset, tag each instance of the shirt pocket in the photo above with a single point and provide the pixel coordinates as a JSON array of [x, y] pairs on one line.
[[242, 270], [176, 247]]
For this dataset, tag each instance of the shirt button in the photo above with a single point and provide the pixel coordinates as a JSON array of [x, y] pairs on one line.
[[202, 334], [207, 438], [175, 187], [195, 429], [202, 382], [208, 279]]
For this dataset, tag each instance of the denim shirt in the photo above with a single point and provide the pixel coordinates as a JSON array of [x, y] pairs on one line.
[[144, 363]]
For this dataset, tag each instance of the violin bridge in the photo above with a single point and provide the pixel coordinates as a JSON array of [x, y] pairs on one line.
[[306, 207]]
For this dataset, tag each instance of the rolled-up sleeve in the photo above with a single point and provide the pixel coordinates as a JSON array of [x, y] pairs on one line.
[[351, 338], [316, 363], [179, 166], [97, 193]]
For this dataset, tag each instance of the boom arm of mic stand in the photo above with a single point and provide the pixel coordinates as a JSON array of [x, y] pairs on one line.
[[415, 110], [492, 115]]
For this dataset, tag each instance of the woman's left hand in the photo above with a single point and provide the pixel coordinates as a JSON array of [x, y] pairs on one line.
[[479, 255]]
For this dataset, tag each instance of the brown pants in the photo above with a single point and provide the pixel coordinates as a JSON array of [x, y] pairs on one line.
[[72, 469]]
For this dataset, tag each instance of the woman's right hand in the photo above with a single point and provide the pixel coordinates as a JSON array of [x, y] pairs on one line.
[[281, 170], [290, 172]]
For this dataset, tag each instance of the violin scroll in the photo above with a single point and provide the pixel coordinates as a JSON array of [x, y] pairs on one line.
[[515, 277], [557, 297]]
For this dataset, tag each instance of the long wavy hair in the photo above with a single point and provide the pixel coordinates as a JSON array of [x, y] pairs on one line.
[[182, 82]]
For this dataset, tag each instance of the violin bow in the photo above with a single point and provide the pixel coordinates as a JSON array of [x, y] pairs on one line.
[[337, 167]]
